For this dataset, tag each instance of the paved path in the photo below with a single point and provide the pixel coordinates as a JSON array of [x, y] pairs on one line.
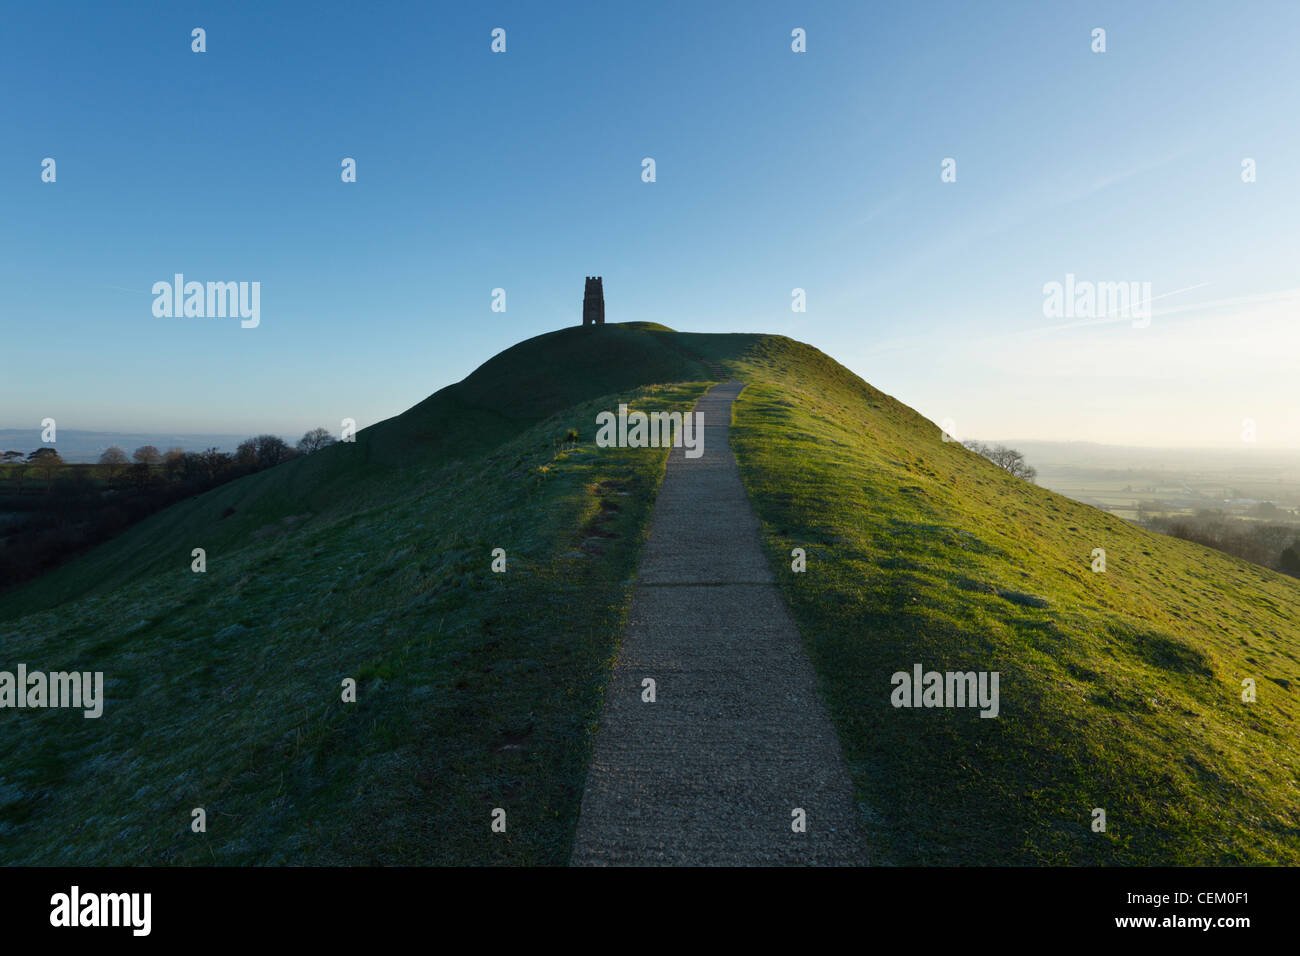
[[737, 738]]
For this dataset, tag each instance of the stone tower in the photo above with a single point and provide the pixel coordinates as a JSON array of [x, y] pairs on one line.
[[593, 302]]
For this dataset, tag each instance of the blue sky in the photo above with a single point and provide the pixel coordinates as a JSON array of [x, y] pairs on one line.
[[775, 170]]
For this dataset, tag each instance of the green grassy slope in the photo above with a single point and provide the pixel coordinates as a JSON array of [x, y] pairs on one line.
[[1119, 690], [371, 561], [509, 393]]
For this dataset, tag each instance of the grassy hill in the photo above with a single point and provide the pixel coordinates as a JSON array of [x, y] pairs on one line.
[[372, 561], [477, 690], [1119, 690]]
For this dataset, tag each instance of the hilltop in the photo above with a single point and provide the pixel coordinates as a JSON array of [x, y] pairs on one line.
[[477, 690]]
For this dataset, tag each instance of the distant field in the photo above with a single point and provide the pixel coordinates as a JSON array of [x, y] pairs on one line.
[[1183, 481]]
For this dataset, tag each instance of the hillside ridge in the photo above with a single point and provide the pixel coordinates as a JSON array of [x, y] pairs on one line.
[[1120, 691]]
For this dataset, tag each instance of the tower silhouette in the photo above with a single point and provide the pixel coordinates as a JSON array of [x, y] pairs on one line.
[[593, 302]]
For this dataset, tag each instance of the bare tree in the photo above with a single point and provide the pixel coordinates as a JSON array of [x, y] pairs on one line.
[[315, 440], [147, 455], [113, 460], [215, 461], [47, 461], [1008, 459], [271, 450], [263, 451], [173, 460], [246, 452]]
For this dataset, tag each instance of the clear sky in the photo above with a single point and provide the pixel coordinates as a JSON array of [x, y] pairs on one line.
[[775, 170]]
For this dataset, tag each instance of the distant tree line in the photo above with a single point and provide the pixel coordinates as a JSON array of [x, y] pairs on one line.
[[1275, 546], [51, 510]]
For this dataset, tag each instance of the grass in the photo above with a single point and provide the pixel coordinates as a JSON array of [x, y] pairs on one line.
[[1119, 690], [476, 690]]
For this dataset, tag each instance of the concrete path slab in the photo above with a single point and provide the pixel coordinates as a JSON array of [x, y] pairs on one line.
[[737, 739]]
